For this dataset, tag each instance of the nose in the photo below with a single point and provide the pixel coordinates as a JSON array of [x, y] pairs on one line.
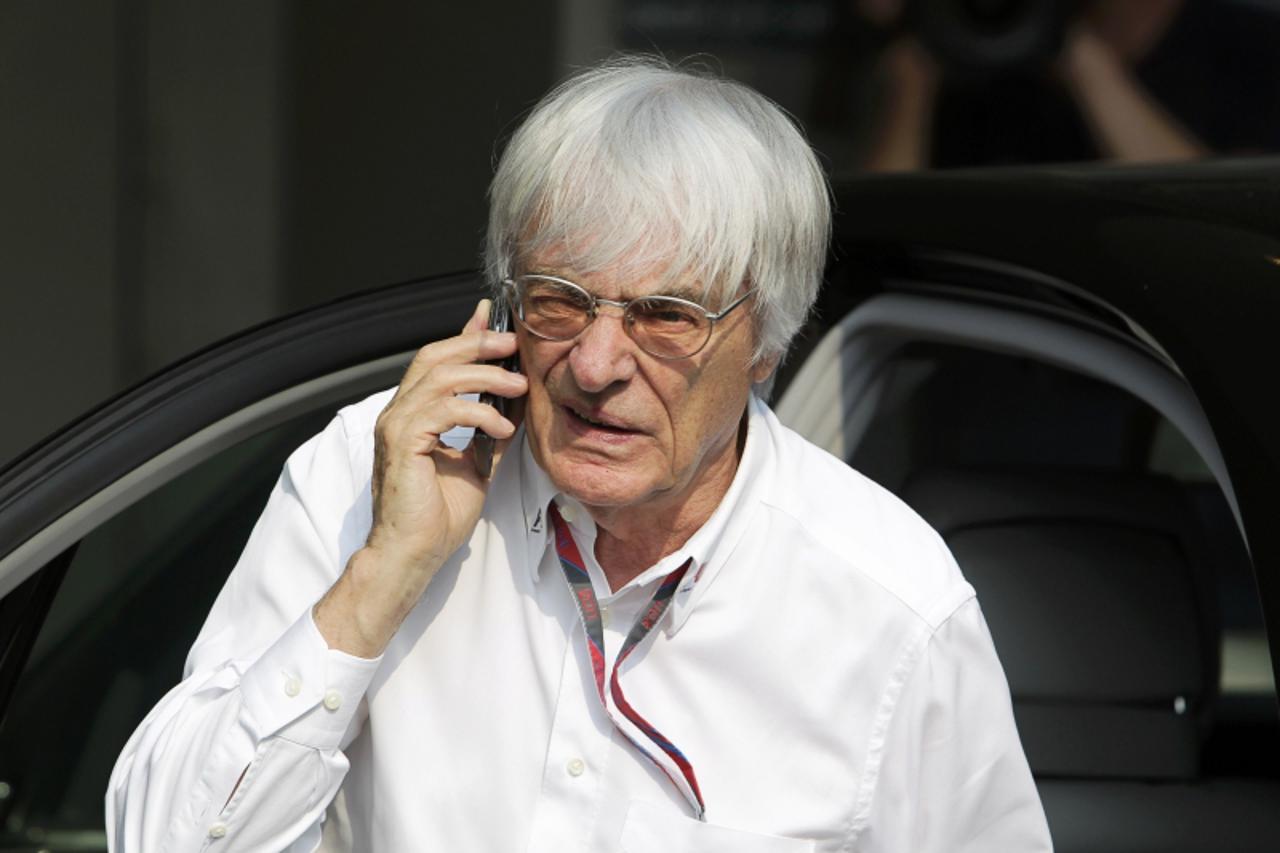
[[604, 353]]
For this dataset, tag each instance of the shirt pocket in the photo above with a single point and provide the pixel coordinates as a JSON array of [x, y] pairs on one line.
[[652, 829]]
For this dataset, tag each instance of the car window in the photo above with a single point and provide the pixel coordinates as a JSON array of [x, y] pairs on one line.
[[949, 406], [942, 407], [118, 631]]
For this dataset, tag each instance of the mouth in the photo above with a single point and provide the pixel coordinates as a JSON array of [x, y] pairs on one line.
[[595, 423]]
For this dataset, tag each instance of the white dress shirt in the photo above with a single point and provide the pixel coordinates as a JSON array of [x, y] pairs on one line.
[[823, 665]]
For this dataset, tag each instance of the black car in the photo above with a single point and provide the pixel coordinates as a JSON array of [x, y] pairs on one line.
[[1065, 371]]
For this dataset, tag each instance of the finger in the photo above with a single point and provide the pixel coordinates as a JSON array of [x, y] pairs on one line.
[[427, 425], [460, 465], [479, 317], [450, 380], [468, 347]]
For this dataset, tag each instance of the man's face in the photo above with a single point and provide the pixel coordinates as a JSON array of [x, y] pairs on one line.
[[662, 428]]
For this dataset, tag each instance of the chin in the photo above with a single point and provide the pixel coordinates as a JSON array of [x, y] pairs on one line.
[[602, 485]]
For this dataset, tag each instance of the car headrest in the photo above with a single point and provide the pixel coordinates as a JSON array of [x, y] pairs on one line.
[[1094, 587]]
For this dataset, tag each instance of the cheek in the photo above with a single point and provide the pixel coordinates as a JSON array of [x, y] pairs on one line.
[[537, 401], [708, 416], [727, 385], [541, 409], [536, 362]]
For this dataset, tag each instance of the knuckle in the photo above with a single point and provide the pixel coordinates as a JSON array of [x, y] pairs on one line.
[[389, 431], [384, 424], [423, 355]]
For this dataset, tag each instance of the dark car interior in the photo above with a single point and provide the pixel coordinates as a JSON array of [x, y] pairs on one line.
[[116, 637], [1117, 589]]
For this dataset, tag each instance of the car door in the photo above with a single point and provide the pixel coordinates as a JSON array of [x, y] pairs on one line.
[[1067, 410], [117, 532]]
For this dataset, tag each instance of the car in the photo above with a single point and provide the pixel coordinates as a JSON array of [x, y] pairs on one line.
[[1065, 370]]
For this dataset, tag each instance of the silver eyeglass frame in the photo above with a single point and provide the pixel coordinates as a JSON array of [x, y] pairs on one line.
[[594, 302]]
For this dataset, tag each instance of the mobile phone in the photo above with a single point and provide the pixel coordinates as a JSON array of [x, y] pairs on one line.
[[499, 321]]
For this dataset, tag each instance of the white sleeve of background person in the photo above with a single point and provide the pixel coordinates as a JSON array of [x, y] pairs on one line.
[[246, 752], [953, 777]]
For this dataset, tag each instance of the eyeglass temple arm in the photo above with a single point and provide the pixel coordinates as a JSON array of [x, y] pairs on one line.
[[734, 304]]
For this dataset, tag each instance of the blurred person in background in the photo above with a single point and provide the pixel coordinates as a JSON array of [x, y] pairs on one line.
[[977, 82]]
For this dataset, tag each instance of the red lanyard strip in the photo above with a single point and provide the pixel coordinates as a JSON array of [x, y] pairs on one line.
[[583, 593]]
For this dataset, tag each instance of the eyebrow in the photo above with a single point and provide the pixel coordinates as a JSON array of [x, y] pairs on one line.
[[689, 293]]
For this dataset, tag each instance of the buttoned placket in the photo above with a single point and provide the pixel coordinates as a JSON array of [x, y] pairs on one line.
[[578, 750], [583, 734], [569, 758]]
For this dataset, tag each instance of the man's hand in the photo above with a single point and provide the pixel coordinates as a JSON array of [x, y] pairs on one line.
[[426, 497]]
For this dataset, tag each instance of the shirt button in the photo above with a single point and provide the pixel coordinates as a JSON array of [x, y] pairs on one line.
[[292, 687], [604, 616], [218, 830], [567, 513], [576, 767], [333, 700]]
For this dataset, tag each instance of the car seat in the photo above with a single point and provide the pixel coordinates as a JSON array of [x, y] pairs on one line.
[[1098, 589]]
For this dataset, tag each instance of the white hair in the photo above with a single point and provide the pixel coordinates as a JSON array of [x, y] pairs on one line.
[[636, 165]]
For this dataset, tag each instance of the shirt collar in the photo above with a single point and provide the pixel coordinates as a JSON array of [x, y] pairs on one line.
[[710, 547], [536, 491]]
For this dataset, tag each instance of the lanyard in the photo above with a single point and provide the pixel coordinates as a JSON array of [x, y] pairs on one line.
[[589, 608]]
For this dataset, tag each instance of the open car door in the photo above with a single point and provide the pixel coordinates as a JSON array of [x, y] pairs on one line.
[[1062, 371], [117, 532]]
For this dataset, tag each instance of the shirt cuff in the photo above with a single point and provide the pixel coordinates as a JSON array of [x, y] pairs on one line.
[[302, 690]]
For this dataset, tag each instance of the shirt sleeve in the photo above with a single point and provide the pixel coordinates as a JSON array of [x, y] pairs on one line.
[[246, 752], [953, 776]]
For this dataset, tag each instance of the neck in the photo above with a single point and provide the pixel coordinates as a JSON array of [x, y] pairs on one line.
[[630, 539]]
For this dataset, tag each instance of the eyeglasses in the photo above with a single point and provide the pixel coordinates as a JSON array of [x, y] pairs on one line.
[[556, 309]]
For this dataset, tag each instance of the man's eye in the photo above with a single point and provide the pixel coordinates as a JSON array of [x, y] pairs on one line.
[[549, 300], [554, 304], [667, 317]]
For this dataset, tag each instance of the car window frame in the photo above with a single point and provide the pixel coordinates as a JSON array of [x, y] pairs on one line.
[[57, 492]]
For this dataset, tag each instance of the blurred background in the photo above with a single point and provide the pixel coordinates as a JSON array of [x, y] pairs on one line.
[[173, 173]]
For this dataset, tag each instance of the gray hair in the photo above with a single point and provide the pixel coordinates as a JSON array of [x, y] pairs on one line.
[[635, 165]]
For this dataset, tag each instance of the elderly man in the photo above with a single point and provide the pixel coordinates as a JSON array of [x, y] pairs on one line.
[[665, 623]]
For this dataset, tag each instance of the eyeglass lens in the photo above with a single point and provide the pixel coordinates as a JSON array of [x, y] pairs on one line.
[[663, 326]]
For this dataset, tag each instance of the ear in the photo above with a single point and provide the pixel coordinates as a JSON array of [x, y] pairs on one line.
[[763, 369]]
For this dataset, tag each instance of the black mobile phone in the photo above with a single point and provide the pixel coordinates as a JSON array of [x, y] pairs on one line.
[[499, 321]]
